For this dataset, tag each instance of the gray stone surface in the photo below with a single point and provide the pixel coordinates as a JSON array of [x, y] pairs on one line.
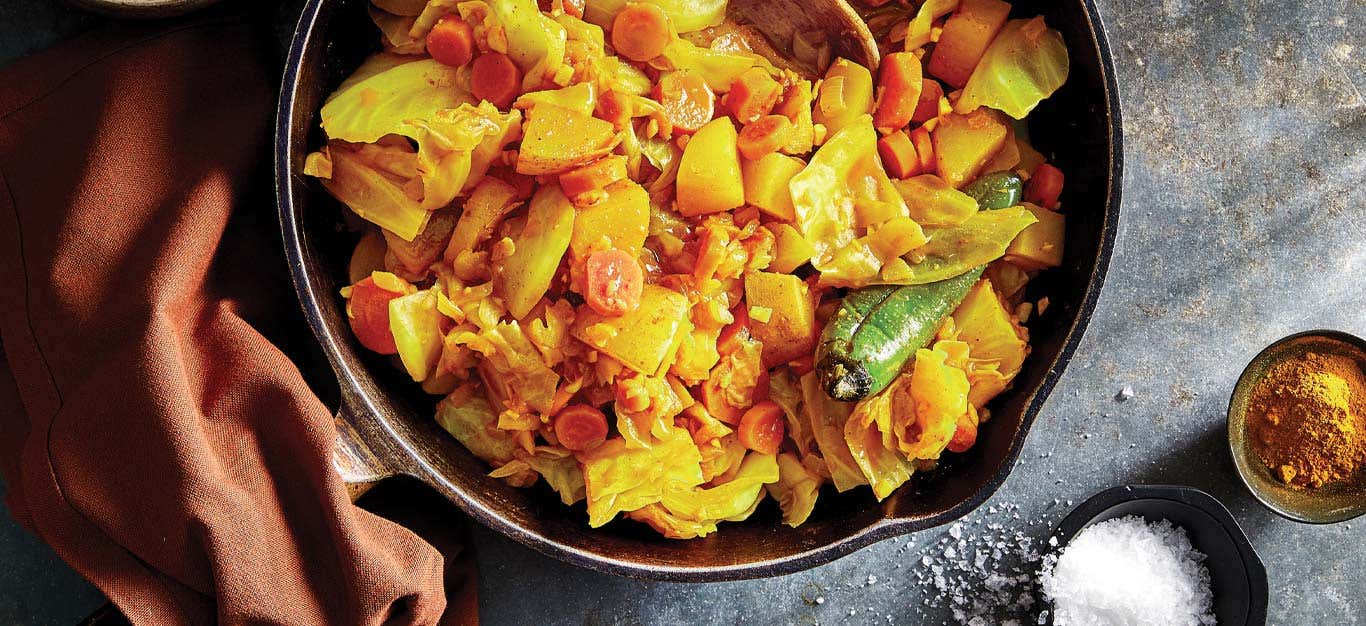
[[1242, 222]]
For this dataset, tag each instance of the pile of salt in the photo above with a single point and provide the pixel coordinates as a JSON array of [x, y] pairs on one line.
[[1125, 571]]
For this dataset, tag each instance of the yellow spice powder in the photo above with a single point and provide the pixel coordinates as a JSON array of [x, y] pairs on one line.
[[1307, 417]]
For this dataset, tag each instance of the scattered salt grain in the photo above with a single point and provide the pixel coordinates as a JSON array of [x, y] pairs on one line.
[[872, 580], [1125, 394], [1127, 571]]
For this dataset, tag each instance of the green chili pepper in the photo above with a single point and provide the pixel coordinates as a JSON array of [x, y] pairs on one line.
[[877, 329], [998, 190]]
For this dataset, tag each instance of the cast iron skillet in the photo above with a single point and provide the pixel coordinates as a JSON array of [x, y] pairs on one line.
[[385, 426]]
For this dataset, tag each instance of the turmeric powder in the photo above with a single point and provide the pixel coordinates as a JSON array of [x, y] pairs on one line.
[[1308, 419]]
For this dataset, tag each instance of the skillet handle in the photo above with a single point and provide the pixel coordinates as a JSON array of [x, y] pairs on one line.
[[352, 458]]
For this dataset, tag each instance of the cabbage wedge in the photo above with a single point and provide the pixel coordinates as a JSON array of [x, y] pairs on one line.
[[1025, 63], [618, 478]]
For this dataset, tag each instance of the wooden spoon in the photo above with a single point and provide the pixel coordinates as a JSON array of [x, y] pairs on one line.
[[795, 24]]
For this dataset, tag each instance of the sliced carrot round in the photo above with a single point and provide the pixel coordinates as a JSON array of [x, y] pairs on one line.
[[640, 32], [687, 100], [580, 427], [899, 83], [752, 95], [762, 428], [614, 281], [1045, 185], [927, 107], [494, 77], [764, 135], [369, 315], [451, 41]]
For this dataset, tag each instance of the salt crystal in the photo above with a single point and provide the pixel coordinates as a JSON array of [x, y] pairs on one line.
[[956, 531], [872, 580], [1126, 570], [950, 553], [926, 560], [1053, 541], [820, 599], [1125, 394]]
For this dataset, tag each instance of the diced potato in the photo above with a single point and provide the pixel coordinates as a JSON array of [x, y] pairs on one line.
[[766, 181], [790, 331], [963, 144], [989, 330], [641, 339], [871, 212], [845, 94], [790, 249], [525, 275], [556, 139], [1040, 245], [933, 203], [709, 179], [621, 221], [490, 200], [966, 36], [1009, 157], [416, 325]]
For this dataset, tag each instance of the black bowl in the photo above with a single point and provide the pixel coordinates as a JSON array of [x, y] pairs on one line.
[[1237, 575], [385, 424]]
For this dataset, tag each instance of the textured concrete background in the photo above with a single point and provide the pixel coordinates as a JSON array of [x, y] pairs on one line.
[[1244, 220]]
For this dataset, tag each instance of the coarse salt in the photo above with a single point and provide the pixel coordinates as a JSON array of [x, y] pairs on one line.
[[1126, 571]]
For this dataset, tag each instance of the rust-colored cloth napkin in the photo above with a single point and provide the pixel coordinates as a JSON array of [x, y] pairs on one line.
[[152, 430]]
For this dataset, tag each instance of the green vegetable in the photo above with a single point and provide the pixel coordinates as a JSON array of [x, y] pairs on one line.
[[979, 240], [998, 190], [1026, 62], [877, 329]]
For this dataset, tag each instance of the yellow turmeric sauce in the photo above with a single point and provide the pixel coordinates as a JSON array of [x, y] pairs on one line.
[[1307, 417]]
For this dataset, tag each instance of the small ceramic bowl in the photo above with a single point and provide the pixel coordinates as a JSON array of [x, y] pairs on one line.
[[1237, 574], [1326, 505], [142, 9]]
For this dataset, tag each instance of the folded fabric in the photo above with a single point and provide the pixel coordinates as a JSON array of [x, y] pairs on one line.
[[153, 431]]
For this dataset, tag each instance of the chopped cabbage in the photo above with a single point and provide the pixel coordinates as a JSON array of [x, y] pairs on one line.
[[456, 147], [784, 389], [618, 478], [519, 374], [557, 466], [469, 417], [717, 68], [935, 395], [730, 501], [918, 34], [1025, 63], [371, 180], [533, 40], [640, 427], [385, 93], [844, 172], [796, 489], [396, 30], [868, 435], [416, 326], [828, 419]]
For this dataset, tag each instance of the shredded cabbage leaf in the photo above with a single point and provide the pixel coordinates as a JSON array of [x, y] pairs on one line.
[[557, 466], [416, 325], [733, 500], [828, 418], [784, 389], [1025, 63], [795, 490], [385, 93], [534, 40], [843, 172], [685, 15], [868, 435], [618, 478], [519, 373], [918, 33], [469, 417], [372, 180], [934, 396]]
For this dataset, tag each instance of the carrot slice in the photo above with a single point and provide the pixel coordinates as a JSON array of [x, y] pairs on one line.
[[595, 176], [614, 282], [369, 315], [713, 399], [752, 95], [898, 154], [451, 41], [762, 428], [640, 31], [580, 427], [966, 435], [1045, 185], [764, 135], [614, 107], [927, 108], [687, 100], [899, 81], [495, 78]]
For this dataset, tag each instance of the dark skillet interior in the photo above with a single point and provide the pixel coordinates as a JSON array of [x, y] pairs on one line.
[[1078, 128], [1237, 574]]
